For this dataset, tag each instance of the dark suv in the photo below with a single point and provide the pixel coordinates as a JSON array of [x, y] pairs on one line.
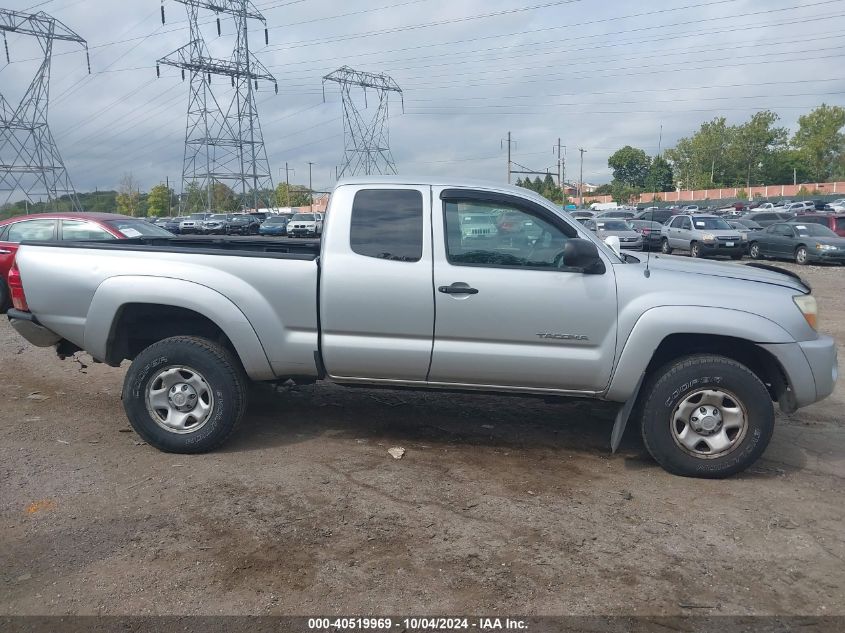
[[243, 224]]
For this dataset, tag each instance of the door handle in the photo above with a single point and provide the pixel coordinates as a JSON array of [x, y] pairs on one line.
[[455, 289], [3, 251]]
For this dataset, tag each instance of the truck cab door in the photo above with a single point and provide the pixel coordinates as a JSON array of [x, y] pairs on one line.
[[507, 314], [376, 306]]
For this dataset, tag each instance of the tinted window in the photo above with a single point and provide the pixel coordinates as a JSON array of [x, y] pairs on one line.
[[305, 217], [523, 238], [73, 230], [3, 231], [40, 230], [840, 224], [388, 224], [765, 216]]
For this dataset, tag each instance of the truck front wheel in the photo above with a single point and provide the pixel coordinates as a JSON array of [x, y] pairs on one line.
[[185, 394], [706, 416]]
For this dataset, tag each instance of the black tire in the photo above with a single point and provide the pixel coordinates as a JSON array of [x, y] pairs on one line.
[[695, 250], [216, 367], [801, 256], [754, 251], [678, 384], [664, 247], [5, 297]]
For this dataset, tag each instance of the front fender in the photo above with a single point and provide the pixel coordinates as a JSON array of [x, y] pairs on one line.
[[657, 323], [115, 292]]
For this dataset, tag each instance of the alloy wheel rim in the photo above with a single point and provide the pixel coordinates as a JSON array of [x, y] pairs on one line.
[[179, 399]]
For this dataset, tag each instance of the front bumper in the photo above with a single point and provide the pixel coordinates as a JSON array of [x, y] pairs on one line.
[[28, 327], [811, 367], [722, 249], [298, 232], [836, 257]]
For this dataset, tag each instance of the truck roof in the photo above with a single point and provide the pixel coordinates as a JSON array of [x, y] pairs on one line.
[[444, 182]]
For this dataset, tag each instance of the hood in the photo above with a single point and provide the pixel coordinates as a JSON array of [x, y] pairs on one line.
[[629, 234], [839, 242], [760, 273]]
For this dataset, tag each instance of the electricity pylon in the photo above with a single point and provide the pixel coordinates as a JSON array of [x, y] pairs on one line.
[[30, 162], [366, 141], [223, 140]]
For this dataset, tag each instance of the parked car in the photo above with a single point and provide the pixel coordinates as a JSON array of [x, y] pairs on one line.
[[701, 235], [65, 227], [629, 238], [193, 224], [698, 351], [650, 232], [274, 225], [838, 205], [582, 213], [261, 216], [624, 214], [173, 225], [802, 243], [767, 206], [834, 221], [242, 224], [657, 215], [307, 225], [475, 226], [798, 207], [765, 218], [161, 221], [745, 228], [217, 224]]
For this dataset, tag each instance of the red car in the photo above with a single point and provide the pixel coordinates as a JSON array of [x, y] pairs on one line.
[[65, 226]]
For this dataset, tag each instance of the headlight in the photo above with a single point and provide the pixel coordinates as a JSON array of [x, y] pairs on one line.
[[809, 308], [743, 237], [825, 247], [708, 237]]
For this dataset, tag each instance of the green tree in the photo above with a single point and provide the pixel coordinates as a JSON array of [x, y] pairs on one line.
[[660, 176], [623, 193], [820, 141], [753, 142], [194, 198], [299, 195], [128, 196], [603, 190], [159, 200], [630, 166], [223, 199]]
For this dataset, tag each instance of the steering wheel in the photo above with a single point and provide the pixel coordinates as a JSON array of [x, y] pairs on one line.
[[534, 244], [558, 260]]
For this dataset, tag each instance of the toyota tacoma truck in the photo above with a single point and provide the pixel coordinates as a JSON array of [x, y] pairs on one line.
[[397, 295]]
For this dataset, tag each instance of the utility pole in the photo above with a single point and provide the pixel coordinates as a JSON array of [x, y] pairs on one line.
[[287, 180], [561, 169], [310, 188], [509, 142], [581, 180]]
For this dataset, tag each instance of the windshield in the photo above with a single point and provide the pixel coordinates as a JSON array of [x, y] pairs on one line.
[[198, 216], [712, 224], [138, 228], [218, 216], [304, 217], [613, 225], [276, 221], [477, 219], [814, 230]]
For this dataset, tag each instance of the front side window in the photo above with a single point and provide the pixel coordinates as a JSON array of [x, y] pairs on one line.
[[36, 230], [686, 224], [73, 230], [523, 238], [387, 224]]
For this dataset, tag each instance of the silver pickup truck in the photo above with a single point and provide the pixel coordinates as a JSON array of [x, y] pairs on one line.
[[396, 294]]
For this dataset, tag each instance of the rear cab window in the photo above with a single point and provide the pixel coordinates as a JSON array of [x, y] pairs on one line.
[[387, 224]]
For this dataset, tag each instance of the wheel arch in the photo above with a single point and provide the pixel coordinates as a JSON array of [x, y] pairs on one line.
[[130, 313]]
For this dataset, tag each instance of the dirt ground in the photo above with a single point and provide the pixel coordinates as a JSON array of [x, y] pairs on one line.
[[500, 505]]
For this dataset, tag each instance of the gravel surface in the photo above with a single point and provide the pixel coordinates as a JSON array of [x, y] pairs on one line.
[[497, 505]]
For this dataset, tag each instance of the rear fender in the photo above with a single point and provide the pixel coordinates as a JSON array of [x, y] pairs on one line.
[[116, 292]]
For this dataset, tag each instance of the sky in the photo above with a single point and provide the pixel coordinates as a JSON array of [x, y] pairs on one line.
[[598, 74]]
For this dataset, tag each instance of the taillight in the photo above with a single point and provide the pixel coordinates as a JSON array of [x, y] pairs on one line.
[[16, 288]]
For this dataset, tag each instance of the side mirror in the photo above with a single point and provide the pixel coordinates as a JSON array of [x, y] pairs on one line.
[[584, 255], [613, 243]]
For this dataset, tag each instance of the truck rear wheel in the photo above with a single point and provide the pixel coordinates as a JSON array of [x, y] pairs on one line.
[[706, 416], [185, 394]]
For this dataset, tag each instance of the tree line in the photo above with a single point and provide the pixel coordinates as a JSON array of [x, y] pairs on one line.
[[161, 200], [755, 152]]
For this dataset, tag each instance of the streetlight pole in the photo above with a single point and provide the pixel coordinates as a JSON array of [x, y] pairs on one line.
[[310, 188]]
